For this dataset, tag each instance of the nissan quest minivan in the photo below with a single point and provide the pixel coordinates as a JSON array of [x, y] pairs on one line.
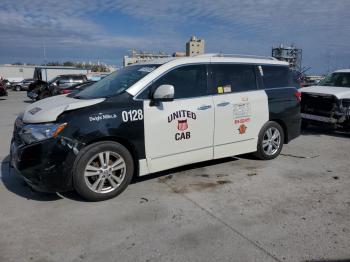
[[154, 116]]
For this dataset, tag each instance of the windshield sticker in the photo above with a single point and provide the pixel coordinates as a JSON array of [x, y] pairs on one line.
[[99, 117], [147, 69], [132, 115], [220, 90], [227, 89], [224, 89], [181, 119]]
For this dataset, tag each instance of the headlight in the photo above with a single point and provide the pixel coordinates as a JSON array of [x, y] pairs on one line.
[[38, 132]]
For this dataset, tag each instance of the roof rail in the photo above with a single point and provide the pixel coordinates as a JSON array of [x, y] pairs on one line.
[[238, 56]]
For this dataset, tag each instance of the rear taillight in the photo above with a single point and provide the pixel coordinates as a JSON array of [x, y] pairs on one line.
[[298, 95], [65, 91]]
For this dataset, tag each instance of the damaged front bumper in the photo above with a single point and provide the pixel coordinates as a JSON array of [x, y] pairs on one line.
[[326, 109], [47, 165]]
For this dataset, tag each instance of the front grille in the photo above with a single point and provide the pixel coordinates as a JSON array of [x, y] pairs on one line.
[[321, 105]]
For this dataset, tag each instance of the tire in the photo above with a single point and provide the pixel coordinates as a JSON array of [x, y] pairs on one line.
[[265, 143], [95, 182], [18, 88], [304, 124]]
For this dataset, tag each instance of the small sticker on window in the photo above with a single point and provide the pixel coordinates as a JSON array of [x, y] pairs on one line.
[[146, 69], [261, 71], [227, 89]]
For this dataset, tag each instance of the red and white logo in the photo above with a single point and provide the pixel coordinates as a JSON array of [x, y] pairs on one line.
[[242, 129], [182, 125]]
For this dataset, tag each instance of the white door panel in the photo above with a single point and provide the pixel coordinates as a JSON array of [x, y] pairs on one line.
[[238, 120], [178, 132]]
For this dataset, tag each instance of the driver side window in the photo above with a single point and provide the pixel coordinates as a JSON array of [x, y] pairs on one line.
[[188, 81]]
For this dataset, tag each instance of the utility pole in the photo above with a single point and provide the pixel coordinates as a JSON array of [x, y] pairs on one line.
[[44, 51]]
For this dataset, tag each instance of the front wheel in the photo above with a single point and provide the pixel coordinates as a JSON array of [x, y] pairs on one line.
[[102, 171], [270, 141], [18, 88]]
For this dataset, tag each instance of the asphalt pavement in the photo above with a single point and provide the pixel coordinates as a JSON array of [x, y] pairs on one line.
[[293, 208]]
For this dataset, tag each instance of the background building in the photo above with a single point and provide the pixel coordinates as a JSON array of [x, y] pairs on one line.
[[135, 57], [289, 54], [194, 46]]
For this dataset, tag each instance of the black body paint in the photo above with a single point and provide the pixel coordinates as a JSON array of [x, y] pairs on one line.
[[47, 165], [284, 108]]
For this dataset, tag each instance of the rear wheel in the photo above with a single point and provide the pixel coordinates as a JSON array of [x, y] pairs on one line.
[[270, 141], [304, 124], [18, 88], [102, 170]]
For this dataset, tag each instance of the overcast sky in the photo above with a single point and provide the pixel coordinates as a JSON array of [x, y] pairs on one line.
[[106, 30]]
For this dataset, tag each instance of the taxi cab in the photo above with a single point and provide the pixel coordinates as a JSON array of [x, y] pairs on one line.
[[154, 116]]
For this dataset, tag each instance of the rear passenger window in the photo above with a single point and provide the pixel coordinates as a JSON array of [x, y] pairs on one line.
[[77, 78], [188, 81], [65, 79], [277, 76], [233, 78]]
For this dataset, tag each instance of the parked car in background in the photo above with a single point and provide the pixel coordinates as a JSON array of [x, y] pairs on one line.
[[3, 89], [328, 103], [74, 88], [7, 83], [23, 85], [41, 89], [64, 81], [37, 90]]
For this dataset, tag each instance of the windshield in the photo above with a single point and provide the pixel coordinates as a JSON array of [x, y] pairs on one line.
[[117, 82], [53, 80], [336, 79]]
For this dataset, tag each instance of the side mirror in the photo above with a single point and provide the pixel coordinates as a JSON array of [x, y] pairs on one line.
[[163, 93]]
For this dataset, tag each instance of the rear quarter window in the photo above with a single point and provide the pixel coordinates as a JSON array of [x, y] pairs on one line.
[[77, 77], [232, 78], [278, 76]]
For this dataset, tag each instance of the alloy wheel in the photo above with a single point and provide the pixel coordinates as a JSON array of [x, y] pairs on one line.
[[105, 172], [271, 141]]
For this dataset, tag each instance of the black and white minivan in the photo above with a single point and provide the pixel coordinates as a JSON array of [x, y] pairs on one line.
[[154, 116]]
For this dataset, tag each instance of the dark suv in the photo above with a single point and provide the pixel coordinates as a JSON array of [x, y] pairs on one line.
[[65, 82], [40, 89]]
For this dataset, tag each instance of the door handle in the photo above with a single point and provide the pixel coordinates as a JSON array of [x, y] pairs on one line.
[[204, 107], [223, 104]]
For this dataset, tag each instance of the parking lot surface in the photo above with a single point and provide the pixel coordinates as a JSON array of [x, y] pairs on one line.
[[293, 208]]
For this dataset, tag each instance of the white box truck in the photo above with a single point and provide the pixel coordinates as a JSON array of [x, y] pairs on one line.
[[46, 73]]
